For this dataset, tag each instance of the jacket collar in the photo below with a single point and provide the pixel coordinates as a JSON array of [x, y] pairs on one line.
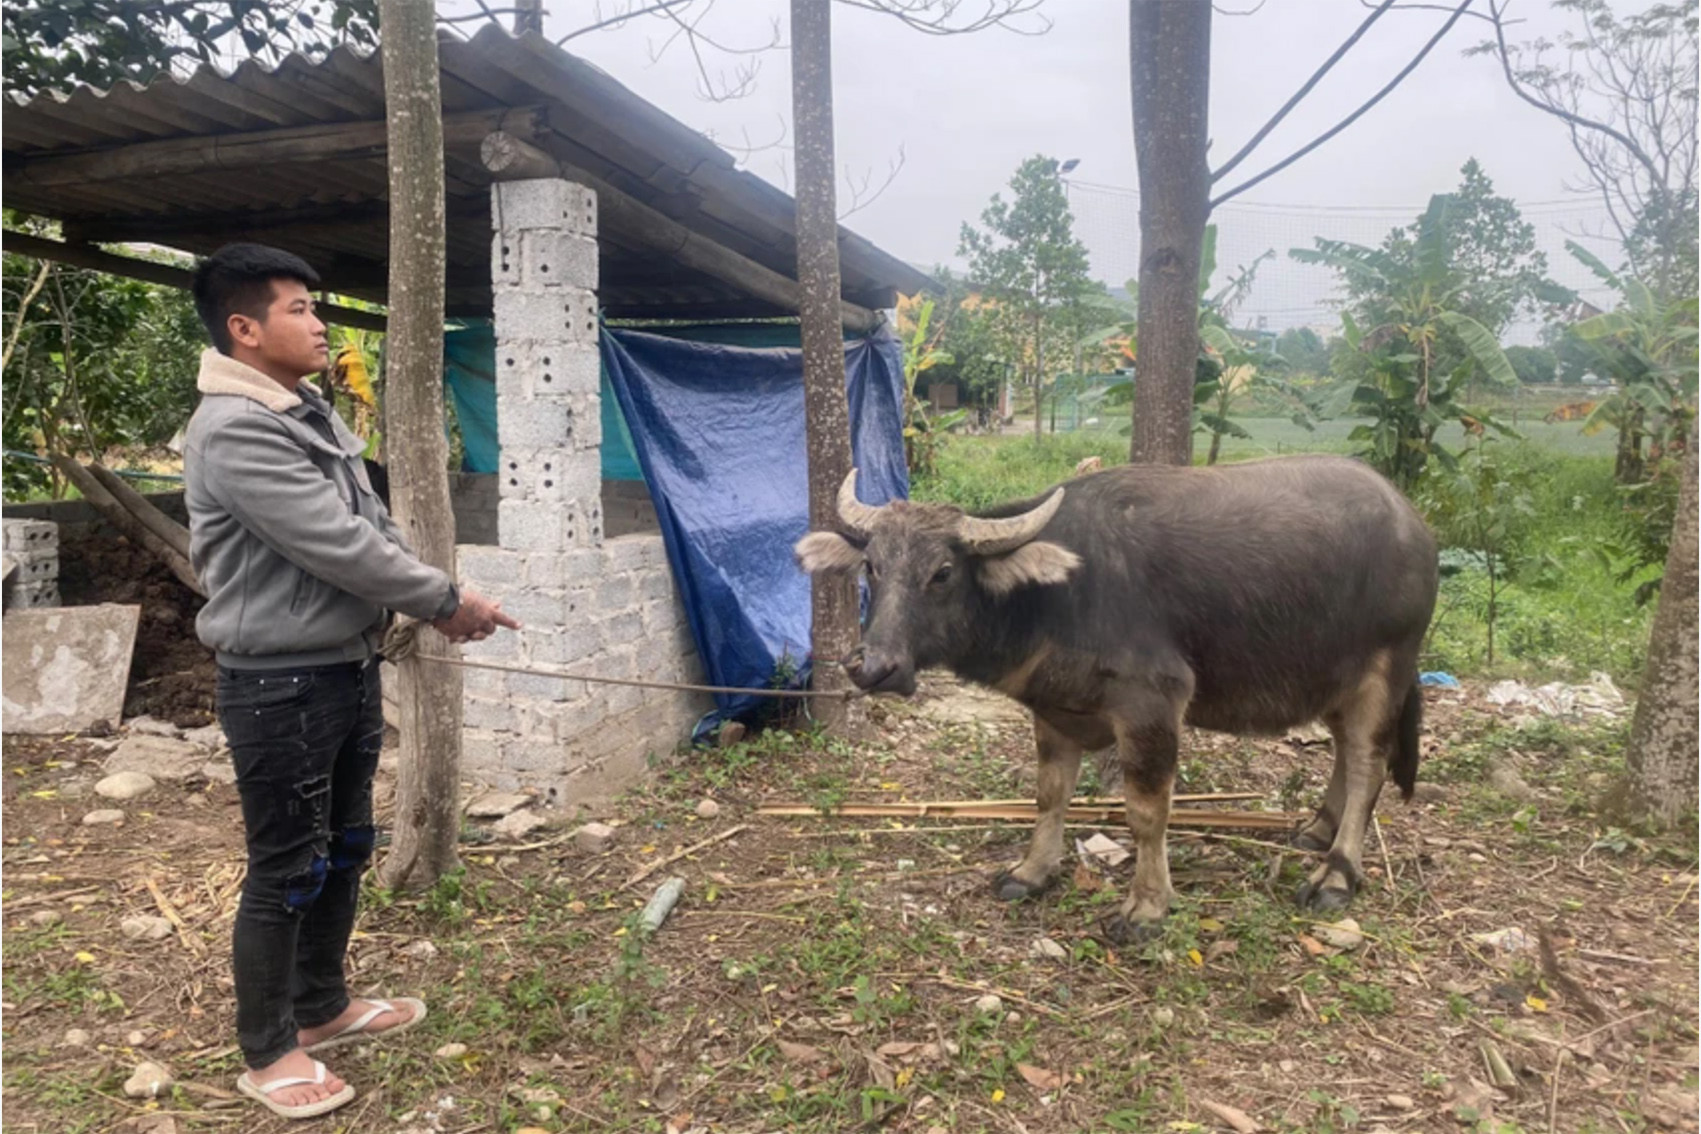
[[221, 374]]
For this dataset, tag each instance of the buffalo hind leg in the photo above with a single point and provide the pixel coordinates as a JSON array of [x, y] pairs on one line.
[[1363, 729], [1059, 767], [1149, 756], [1319, 834]]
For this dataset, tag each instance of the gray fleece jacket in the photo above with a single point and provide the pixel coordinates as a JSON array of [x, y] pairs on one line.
[[299, 557]]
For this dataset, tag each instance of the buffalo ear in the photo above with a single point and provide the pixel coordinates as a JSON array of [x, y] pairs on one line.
[[1035, 564], [820, 552]]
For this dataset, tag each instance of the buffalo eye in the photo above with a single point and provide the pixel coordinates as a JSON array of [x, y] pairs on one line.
[[941, 576]]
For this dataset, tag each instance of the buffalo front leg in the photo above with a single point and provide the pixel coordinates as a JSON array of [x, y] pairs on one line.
[[1149, 755], [1059, 767]]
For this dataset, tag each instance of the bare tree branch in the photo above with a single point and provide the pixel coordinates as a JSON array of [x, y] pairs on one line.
[[1305, 89], [620, 19], [1458, 13], [860, 197], [939, 17]]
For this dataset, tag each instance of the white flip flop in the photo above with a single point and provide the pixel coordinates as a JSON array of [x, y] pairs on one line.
[[262, 1093], [356, 1030]]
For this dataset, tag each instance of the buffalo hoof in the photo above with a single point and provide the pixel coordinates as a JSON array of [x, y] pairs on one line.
[[1305, 840], [1120, 930], [1006, 887], [1323, 899]]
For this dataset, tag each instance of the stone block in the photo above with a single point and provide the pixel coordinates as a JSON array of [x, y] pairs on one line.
[[534, 756], [555, 368], [621, 629], [537, 687], [556, 258], [526, 426], [543, 203], [572, 643], [162, 757], [24, 536], [614, 593], [625, 698], [530, 525], [594, 838], [66, 670], [566, 315], [568, 569], [656, 585], [503, 646], [505, 260], [33, 596], [35, 566], [480, 751], [485, 682], [538, 611], [489, 714], [579, 718], [490, 567], [628, 553]]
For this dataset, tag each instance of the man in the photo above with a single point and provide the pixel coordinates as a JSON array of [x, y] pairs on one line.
[[302, 564]]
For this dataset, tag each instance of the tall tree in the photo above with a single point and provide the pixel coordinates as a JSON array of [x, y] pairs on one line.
[[1625, 88], [833, 630], [1029, 263], [1662, 752], [427, 816], [1170, 65], [55, 44], [1169, 54]]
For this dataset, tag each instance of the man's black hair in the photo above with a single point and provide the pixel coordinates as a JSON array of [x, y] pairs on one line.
[[237, 280]]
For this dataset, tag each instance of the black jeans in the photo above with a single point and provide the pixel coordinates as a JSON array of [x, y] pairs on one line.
[[305, 744]]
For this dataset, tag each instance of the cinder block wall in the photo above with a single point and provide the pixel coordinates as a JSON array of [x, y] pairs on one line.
[[34, 546], [598, 606]]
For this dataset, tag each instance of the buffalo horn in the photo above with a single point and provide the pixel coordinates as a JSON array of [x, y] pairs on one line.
[[995, 537], [856, 516]]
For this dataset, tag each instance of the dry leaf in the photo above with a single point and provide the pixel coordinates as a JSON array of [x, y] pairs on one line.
[[1085, 880], [1039, 1078], [1312, 946], [646, 1060], [1242, 1122], [880, 1071], [679, 1123], [800, 1052], [899, 1050], [1221, 949]]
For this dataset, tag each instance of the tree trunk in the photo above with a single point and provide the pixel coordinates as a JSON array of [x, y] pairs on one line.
[[1662, 752], [1170, 62], [428, 696], [833, 627]]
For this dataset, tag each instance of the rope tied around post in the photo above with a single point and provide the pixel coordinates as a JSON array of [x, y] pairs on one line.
[[401, 645]]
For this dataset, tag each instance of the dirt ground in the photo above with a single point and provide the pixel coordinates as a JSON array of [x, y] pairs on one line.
[[171, 673], [829, 974]]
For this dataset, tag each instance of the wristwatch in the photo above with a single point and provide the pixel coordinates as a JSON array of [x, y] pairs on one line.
[[450, 604]]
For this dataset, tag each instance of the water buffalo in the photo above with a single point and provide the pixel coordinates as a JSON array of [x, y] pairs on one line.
[[1244, 598]]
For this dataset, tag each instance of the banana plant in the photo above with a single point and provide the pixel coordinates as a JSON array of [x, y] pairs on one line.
[[1413, 387], [1647, 346], [924, 432]]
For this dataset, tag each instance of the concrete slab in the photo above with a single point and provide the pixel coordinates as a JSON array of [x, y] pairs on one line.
[[65, 669]]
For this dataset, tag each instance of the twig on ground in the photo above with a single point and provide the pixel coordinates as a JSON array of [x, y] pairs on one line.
[[42, 899], [191, 941], [646, 871]]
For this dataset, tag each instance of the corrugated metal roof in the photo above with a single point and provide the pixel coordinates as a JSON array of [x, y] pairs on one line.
[[333, 213]]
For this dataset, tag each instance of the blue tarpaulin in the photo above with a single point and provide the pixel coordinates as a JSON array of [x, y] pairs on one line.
[[718, 431], [712, 419]]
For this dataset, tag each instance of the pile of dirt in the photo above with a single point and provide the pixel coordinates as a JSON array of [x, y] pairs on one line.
[[171, 674]]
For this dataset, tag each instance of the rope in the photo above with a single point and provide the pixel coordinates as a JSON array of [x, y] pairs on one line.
[[401, 644]]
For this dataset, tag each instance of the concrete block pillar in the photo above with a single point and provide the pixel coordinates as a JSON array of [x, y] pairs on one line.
[[548, 414]]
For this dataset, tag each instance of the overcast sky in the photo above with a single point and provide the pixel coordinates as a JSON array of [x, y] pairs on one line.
[[965, 110]]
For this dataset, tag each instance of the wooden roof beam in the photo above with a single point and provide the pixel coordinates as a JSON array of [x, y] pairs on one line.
[[83, 256], [333, 142], [509, 158]]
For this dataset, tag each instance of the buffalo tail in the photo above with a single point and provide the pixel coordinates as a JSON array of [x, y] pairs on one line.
[[1404, 761]]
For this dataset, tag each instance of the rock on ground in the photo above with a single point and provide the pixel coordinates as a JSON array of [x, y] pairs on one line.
[[162, 757], [125, 785], [103, 816], [145, 927], [519, 824], [497, 805], [148, 1081]]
